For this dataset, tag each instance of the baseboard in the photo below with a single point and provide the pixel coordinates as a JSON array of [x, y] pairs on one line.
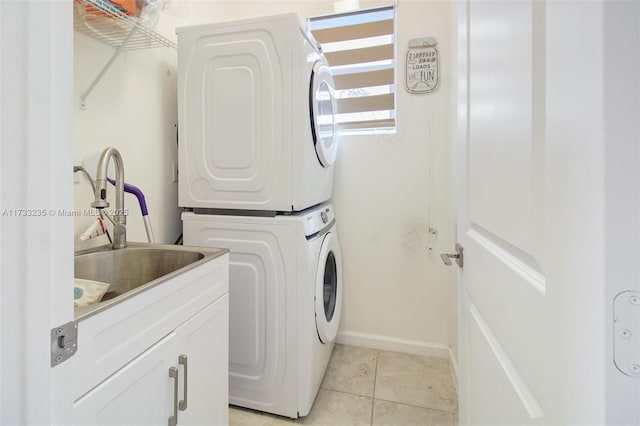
[[393, 344]]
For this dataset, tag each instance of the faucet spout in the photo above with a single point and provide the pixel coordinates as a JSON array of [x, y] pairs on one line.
[[100, 202]]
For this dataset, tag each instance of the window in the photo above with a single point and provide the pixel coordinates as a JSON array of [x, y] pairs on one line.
[[360, 47]]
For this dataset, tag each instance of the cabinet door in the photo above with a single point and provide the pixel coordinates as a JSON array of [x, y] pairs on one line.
[[141, 393], [204, 339]]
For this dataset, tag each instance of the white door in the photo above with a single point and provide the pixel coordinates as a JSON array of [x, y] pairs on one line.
[[530, 176]]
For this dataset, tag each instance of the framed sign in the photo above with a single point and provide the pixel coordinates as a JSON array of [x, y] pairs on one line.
[[423, 65]]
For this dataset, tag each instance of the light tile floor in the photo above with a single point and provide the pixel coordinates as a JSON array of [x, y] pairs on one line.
[[375, 388]]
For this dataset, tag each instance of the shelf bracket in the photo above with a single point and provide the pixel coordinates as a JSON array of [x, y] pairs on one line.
[[119, 50]]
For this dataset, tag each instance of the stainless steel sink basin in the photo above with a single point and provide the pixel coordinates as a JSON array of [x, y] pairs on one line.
[[136, 268]]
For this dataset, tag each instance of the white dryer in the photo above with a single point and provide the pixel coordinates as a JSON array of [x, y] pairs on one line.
[[285, 297], [256, 116]]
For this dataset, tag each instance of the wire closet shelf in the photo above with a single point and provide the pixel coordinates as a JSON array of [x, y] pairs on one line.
[[103, 21]]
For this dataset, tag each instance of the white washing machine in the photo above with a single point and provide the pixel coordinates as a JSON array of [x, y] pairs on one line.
[[256, 116], [285, 296]]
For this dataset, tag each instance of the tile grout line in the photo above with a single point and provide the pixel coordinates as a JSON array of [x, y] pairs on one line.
[[415, 406], [373, 398], [375, 379], [445, 411]]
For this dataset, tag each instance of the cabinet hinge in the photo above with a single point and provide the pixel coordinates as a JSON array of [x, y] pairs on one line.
[[64, 342], [626, 329]]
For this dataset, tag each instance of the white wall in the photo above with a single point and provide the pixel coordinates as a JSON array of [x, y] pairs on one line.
[[389, 189], [397, 291], [134, 109]]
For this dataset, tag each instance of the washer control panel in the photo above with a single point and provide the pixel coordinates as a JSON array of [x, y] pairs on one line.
[[318, 219]]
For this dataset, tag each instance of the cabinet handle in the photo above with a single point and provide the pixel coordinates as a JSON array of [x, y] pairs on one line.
[[182, 360], [173, 373]]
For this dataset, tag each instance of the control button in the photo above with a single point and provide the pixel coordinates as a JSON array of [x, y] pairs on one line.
[[323, 216]]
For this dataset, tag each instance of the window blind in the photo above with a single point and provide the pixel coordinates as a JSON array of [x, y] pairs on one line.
[[360, 49]]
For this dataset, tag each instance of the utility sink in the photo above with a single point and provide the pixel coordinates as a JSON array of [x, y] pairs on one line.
[[160, 297], [134, 269]]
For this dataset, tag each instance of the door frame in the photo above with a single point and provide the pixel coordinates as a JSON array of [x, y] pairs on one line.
[[36, 237]]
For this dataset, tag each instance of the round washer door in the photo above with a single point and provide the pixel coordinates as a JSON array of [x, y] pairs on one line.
[[323, 108], [328, 288]]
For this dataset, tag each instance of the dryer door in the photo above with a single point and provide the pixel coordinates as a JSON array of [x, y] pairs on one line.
[[323, 109], [328, 298]]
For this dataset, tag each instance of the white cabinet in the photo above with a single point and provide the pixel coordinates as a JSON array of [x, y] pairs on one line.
[[204, 340], [141, 393], [126, 353], [144, 393]]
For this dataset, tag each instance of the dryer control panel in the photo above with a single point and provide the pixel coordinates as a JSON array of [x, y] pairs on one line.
[[318, 219]]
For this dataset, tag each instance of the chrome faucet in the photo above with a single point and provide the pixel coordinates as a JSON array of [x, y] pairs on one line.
[[119, 219]]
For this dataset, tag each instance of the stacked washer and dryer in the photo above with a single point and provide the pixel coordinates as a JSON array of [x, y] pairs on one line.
[[257, 145]]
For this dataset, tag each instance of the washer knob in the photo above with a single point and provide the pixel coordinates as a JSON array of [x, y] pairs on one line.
[[323, 216]]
